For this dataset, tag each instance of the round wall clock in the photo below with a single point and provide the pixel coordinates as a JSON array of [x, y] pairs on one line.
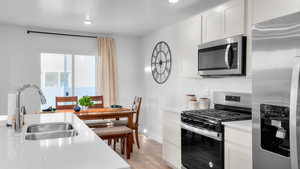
[[161, 62]]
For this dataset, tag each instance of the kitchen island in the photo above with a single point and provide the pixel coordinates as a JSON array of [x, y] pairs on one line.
[[84, 151]]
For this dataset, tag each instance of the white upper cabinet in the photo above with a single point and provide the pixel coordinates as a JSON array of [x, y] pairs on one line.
[[223, 21], [234, 18], [189, 37], [268, 9], [213, 25]]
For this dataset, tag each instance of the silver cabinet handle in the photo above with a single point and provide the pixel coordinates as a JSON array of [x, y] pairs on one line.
[[227, 56], [295, 118]]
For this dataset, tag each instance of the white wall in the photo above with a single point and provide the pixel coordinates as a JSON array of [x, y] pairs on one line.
[[20, 61], [172, 93], [130, 66]]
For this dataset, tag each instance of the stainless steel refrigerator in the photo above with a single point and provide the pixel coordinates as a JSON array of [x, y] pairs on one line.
[[276, 93]]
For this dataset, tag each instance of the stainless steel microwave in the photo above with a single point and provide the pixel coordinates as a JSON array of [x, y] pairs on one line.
[[223, 57]]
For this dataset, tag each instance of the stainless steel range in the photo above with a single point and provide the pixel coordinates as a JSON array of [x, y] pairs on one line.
[[202, 132]]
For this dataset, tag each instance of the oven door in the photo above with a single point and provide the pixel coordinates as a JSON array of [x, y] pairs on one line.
[[201, 149], [224, 57]]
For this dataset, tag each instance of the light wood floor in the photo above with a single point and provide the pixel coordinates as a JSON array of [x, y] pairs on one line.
[[148, 157]]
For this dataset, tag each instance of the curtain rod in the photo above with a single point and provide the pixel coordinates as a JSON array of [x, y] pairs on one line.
[[60, 34]]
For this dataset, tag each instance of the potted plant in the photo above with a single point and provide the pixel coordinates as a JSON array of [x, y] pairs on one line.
[[85, 102]]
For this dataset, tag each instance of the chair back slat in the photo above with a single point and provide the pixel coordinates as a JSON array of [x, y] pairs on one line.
[[60, 102], [136, 107], [98, 100]]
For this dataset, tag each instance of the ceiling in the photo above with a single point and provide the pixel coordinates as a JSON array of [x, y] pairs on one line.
[[133, 17]]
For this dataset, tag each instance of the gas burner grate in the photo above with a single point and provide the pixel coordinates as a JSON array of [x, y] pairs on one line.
[[218, 115]]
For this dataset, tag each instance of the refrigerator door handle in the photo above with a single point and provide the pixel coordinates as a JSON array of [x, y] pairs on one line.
[[295, 118]]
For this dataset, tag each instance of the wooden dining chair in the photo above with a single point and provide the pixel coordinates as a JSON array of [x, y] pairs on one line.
[[136, 107], [122, 133], [100, 123], [98, 101], [65, 102]]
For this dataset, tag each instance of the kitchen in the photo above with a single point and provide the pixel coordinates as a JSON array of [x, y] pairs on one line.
[[164, 98]]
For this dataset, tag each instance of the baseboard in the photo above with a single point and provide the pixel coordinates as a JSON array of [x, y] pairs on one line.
[[155, 137]]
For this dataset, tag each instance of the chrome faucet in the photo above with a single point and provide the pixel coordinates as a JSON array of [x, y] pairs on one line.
[[20, 111]]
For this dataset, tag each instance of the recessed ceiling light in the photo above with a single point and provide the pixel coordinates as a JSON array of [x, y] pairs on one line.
[[87, 22], [173, 1]]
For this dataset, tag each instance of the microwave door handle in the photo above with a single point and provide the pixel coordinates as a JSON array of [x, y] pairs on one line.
[[295, 118], [227, 56]]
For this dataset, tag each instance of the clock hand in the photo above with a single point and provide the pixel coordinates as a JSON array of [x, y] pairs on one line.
[[165, 61]]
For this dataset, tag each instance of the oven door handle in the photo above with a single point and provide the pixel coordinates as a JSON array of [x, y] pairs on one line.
[[211, 134], [227, 56], [295, 118]]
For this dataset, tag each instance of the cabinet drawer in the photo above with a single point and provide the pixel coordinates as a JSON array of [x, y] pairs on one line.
[[172, 155], [240, 137]]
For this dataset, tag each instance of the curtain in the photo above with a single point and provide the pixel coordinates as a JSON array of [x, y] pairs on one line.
[[106, 67]]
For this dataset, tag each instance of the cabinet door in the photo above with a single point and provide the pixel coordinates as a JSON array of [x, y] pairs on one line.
[[225, 20], [189, 32], [171, 128], [172, 155], [237, 157], [172, 138], [213, 25], [268, 9], [234, 18]]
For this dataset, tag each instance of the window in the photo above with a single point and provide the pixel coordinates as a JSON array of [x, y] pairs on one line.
[[67, 75], [85, 76], [51, 79]]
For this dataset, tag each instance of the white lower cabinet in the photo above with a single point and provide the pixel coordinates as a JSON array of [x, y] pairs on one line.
[[172, 155], [238, 149], [237, 157], [172, 138]]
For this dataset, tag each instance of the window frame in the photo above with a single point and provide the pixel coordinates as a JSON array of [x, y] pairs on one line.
[[73, 69]]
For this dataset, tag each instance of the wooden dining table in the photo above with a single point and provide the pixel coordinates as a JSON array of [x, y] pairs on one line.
[[103, 113]]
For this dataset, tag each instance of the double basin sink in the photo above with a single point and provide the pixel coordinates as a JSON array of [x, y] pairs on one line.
[[50, 131]]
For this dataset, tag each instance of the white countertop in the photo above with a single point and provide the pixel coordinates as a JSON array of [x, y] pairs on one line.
[[85, 151], [178, 109], [245, 125]]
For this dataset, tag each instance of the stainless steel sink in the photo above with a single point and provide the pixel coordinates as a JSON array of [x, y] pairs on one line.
[[46, 127], [50, 131], [51, 135]]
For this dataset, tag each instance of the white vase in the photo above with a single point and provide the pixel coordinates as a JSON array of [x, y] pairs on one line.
[[85, 107]]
